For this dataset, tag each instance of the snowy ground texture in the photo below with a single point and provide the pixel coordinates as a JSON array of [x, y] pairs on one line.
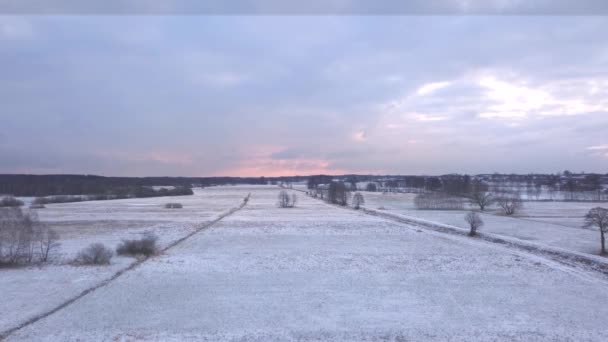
[[35, 290], [321, 273], [555, 224]]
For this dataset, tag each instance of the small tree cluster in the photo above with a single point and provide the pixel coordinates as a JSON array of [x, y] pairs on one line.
[[438, 201], [286, 201], [474, 221], [94, 254], [358, 200], [10, 201], [598, 217], [145, 246], [371, 187], [24, 239], [337, 193]]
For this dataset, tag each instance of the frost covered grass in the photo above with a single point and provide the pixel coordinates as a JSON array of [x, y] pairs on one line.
[[30, 291], [317, 272], [556, 224]]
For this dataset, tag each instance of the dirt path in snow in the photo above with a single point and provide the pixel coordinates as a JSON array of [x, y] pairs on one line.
[[5, 334], [588, 267]]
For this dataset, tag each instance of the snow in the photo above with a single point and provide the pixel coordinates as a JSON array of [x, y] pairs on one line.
[[556, 224], [34, 290], [317, 272]]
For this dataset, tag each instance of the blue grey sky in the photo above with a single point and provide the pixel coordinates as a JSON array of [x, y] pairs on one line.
[[284, 95]]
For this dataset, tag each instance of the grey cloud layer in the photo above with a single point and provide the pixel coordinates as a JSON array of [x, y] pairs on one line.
[[333, 7], [232, 95]]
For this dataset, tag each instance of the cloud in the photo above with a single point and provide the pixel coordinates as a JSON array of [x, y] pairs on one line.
[[430, 88], [311, 7], [236, 95], [15, 28], [598, 148]]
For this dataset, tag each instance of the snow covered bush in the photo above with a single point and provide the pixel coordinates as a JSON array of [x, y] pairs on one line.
[[173, 206], [510, 203], [95, 254], [145, 246], [474, 221], [10, 201]]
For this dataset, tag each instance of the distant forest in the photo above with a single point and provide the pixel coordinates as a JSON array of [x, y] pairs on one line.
[[120, 187], [53, 185]]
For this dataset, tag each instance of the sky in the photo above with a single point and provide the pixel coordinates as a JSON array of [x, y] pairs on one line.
[[141, 95]]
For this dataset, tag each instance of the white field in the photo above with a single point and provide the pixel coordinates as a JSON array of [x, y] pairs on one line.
[[556, 224], [34, 290], [321, 273]]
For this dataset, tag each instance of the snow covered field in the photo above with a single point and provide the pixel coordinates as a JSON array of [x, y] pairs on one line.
[[556, 224], [34, 290], [321, 273]]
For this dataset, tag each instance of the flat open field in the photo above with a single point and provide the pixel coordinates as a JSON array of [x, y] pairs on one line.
[[556, 224], [34, 290], [317, 272]]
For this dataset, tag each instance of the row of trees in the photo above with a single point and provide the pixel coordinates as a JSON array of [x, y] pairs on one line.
[[134, 192], [509, 203], [337, 193], [438, 201], [566, 186]]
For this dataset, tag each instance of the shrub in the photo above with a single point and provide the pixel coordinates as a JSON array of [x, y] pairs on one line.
[[358, 200], [286, 201], [10, 201], [58, 199], [95, 254], [474, 221], [174, 206], [438, 201], [510, 204], [145, 246]]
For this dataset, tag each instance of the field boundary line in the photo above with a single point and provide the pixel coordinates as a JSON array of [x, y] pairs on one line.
[[5, 334], [564, 257]]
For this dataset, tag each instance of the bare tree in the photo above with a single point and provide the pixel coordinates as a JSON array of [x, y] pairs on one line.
[[474, 221], [598, 217], [23, 238], [48, 243], [286, 201], [510, 203], [482, 199], [294, 199], [358, 200]]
